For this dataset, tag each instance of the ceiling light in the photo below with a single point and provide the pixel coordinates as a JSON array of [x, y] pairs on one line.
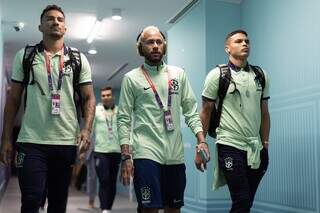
[[94, 31], [92, 50], [116, 14]]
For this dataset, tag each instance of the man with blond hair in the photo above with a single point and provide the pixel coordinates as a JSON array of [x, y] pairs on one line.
[[153, 95]]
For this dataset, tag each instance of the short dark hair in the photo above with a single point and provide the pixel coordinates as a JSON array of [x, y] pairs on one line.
[[235, 32], [51, 7], [106, 88]]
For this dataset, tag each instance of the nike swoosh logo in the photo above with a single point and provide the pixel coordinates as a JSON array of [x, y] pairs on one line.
[[176, 201], [146, 88]]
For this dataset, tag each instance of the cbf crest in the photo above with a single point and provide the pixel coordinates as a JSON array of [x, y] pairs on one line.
[[174, 83], [228, 163], [20, 160], [146, 194]]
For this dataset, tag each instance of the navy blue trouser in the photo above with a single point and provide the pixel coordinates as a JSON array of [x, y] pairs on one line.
[[242, 181], [107, 167], [44, 167], [159, 186]]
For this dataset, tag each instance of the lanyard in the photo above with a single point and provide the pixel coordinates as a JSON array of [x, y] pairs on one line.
[[109, 123], [153, 87], [48, 67]]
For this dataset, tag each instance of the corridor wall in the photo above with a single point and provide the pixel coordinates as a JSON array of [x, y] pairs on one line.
[[284, 41], [2, 102]]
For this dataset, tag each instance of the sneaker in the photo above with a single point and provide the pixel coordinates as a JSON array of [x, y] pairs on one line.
[[106, 211]]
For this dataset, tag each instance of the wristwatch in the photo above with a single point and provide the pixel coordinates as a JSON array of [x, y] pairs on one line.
[[125, 157]]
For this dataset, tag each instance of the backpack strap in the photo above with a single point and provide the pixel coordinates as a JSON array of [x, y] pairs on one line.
[[75, 59], [28, 57], [224, 82], [76, 65], [260, 77]]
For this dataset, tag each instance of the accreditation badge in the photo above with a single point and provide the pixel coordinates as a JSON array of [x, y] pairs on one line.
[[110, 133], [55, 104], [168, 120]]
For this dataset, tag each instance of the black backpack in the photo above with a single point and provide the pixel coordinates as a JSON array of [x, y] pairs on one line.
[[224, 82], [75, 62]]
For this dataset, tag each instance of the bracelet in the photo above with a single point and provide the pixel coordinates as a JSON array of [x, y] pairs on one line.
[[265, 142], [201, 143]]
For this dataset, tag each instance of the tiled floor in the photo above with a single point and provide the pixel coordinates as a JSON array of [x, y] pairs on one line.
[[77, 201]]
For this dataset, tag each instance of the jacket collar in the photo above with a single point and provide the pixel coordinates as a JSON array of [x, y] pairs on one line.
[[154, 68], [40, 48], [237, 69]]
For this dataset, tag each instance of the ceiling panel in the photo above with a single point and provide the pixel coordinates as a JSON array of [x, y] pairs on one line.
[[115, 41]]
